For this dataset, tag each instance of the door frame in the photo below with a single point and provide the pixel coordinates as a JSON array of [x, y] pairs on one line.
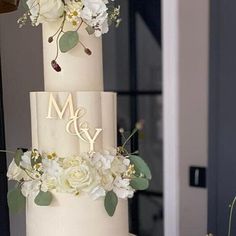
[[185, 89]]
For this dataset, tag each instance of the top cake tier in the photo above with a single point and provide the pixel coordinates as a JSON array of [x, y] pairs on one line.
[[79, 71]]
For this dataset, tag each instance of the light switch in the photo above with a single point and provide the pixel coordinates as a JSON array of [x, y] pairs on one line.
[[197, 177]]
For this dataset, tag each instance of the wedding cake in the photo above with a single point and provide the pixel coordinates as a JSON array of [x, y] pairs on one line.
[[80, 78], [75, 180]]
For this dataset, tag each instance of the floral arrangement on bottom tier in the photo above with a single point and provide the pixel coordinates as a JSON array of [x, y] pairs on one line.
[[109, 175]]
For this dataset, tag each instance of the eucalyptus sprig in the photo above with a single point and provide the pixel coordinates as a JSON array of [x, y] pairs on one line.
[[138, 172], [231, 206], [138, 127], [66, 41]]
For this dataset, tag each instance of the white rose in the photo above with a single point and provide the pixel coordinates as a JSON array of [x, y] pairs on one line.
[[78, 178], [97, 192], [122, 188], [31, 188], [95, 14], [45, 10], [15, 173]]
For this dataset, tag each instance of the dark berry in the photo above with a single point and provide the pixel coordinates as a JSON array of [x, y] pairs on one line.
[[50, 39], [55, 66], [88, 51]]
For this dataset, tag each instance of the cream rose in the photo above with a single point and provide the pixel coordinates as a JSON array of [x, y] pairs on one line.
[[45, 10], [79, 178]]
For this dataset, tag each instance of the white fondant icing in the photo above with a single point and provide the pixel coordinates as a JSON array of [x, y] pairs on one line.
[[80, 72], [71, 216]]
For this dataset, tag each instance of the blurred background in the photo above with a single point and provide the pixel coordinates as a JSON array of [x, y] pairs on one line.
[[133, 68]]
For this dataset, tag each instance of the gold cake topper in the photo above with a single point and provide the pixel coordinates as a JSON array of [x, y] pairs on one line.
[[74, 126]]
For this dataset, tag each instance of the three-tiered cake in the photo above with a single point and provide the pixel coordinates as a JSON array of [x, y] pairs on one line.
[[78, 87], [75, 180]]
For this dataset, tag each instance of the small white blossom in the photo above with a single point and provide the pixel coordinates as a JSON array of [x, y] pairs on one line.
[[97, 193], [126, 162], [26, 160], [73, 12], [15, 173], [122, 188], [31, 188], [51, 167], [102, 161], [95, 14]]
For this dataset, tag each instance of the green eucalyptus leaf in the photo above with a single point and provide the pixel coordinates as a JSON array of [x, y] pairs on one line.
[[18, 154], [139, 183], [140, 166], [111, 201], [43, 198], [68, 41], [90, 30], [16, 201], [24, 4]]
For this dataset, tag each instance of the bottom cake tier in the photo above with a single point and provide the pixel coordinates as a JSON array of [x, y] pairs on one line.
[[75, 216]]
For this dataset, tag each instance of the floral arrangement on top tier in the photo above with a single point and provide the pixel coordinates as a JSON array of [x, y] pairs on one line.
[[96, 15], [109, 175]]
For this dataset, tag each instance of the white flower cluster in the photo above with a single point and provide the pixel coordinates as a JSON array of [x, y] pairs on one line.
[[94, 13], [94, 174]]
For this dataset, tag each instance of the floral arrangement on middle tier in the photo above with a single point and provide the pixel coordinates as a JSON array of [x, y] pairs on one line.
[[110, 175]]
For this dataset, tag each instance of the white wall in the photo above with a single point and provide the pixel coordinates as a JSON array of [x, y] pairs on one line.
[[21, 59], [185, 41]]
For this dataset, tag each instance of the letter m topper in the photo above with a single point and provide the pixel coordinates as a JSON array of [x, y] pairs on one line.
[[60, 111]]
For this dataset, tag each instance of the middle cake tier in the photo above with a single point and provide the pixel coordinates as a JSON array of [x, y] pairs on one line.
[[70, 123]]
